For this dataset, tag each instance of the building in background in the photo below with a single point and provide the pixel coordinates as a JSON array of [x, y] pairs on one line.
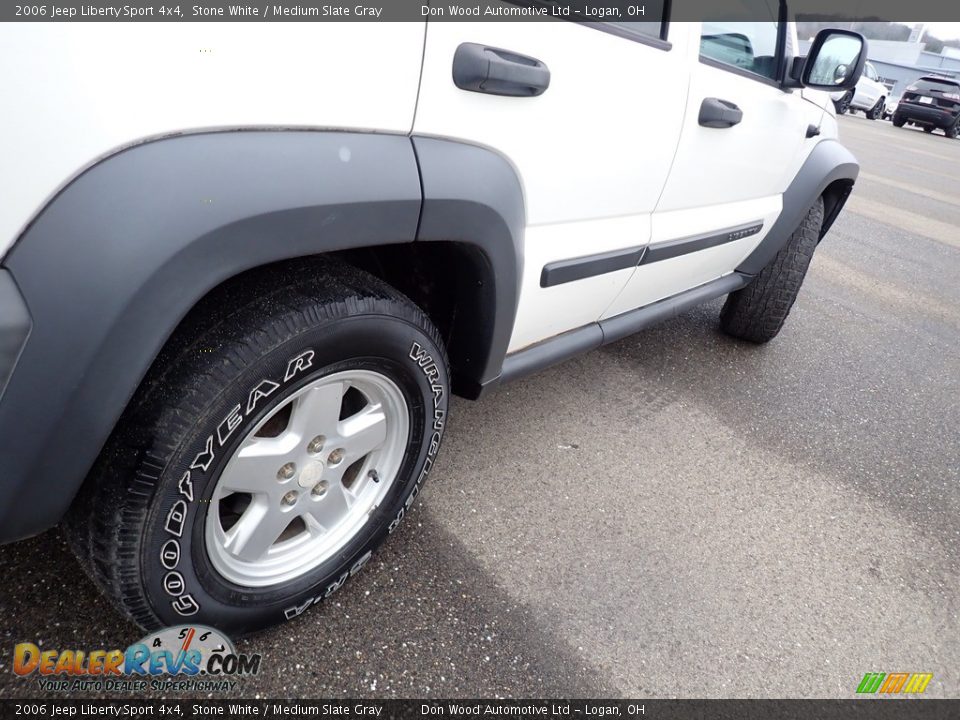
[[901, 62]]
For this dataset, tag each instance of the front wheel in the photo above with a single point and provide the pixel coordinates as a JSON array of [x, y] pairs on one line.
[[843, 104], [876, 111], [270, 451], [757, 312]]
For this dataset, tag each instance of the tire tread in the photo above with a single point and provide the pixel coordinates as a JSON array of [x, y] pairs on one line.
[[757, 312]]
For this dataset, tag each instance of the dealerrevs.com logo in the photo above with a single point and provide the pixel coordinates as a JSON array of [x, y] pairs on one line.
[[180, 658]]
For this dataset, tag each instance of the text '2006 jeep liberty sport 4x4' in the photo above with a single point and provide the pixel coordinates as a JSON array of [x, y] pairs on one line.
[[232, 310]]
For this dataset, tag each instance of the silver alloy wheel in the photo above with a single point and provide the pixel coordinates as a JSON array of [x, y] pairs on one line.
[[306, 479]]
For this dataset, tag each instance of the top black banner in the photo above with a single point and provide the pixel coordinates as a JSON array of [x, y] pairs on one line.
[[508, 11]]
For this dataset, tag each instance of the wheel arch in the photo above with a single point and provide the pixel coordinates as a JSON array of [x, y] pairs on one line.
[[829, 171], [834, 198], [121, 255]]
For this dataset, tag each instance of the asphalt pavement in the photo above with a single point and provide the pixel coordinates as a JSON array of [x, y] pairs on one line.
[[674, 515]]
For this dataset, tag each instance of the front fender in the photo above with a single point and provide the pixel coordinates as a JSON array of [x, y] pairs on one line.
[[111, 266], [829, 164]]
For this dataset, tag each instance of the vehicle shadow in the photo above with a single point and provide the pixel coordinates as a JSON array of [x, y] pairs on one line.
[[422, 620]]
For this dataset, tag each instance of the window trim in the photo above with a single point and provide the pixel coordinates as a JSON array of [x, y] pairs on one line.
[[660, 43], [740, 71], [781, 64]]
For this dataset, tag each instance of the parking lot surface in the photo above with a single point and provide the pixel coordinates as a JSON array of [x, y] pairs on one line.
[[678, 514]]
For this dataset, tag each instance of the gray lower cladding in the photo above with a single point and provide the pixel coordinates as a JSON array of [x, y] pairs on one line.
[[589, 337], [15, 326], [112, 264], [564, 271]]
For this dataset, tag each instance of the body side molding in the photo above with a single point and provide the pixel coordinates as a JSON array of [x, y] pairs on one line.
[[564, 271], [682, 246]]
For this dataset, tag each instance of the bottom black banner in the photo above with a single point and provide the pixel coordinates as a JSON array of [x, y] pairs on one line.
[[554, 709]]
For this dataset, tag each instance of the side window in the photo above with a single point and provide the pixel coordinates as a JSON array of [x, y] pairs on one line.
[[743, 42], [871, 73]]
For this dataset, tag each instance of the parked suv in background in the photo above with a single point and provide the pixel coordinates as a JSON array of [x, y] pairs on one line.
[[869, 95], [232, 312], [931, 102]]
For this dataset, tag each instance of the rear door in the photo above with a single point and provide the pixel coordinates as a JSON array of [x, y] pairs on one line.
[[593, 151], [743, 140]]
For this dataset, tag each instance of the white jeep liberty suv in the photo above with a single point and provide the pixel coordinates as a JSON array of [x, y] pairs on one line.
[[243, 266]]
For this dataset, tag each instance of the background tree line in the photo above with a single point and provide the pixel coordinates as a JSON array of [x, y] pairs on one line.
[[875, 31]]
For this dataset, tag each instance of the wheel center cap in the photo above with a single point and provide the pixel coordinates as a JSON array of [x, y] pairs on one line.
[[311, 474]]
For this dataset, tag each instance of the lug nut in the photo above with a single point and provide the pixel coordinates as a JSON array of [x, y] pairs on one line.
[[290, 498], [320, 489], [336, 456], [316, 445], [287, 471]]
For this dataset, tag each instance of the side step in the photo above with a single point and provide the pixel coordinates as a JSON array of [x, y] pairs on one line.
[[589, 337]]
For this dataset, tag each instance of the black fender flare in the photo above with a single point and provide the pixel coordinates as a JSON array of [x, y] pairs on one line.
[[829, 170], [113, 263], [474, 196]]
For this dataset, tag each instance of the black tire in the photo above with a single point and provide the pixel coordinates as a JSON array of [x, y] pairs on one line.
[[842, 105], [953, 130], [928, 128], [899, 120], [876, 111], [244, 335], [757, 312]]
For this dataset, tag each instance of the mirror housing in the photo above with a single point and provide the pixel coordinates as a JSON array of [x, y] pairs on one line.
[[835, 61]]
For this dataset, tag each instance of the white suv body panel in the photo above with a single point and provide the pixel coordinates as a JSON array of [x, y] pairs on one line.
[[593, 152], [84, 90], [749, 166], [601, 169], [133, 201], [611, 158]]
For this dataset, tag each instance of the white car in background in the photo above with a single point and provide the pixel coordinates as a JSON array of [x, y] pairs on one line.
[[870, 95], [890, 107]]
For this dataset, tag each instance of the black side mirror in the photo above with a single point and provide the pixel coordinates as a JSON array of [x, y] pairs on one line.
[[835, 61]]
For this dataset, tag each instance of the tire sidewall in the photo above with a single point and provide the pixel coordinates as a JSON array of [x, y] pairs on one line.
[[187, 588]]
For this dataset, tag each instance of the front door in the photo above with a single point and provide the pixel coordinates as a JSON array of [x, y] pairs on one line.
[[593, 151], [731, 168]]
